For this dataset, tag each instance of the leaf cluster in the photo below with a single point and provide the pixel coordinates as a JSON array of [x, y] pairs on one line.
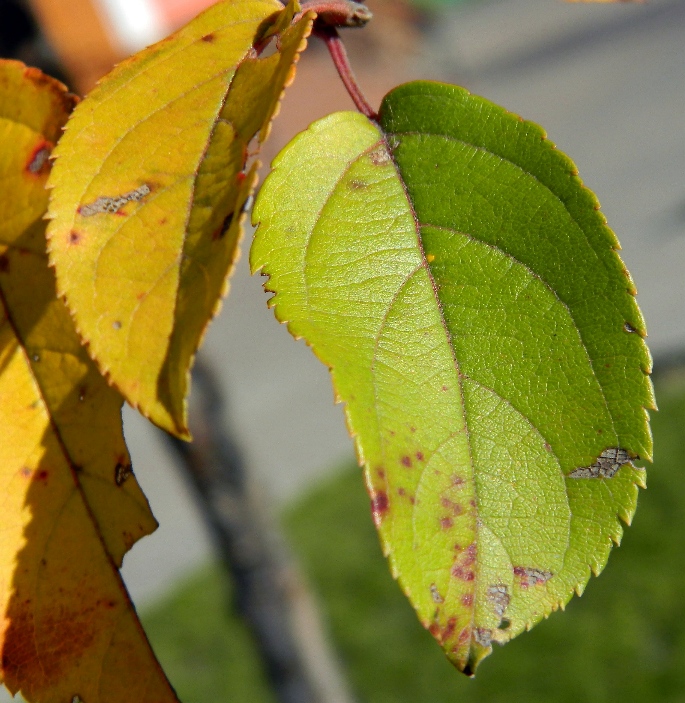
[[441, 257]]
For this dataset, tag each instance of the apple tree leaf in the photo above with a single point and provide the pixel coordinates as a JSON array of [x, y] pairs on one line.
[[458, 279], [149, 190], [71, 507]]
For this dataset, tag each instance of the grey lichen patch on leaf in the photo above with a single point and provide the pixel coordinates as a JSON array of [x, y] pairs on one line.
[[498, 597], [531, 576], [112, 205], [606, 466]]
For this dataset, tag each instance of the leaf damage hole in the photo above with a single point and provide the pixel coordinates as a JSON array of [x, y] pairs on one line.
[[629, 328], [113, 205], [606, 466], [531, 576]]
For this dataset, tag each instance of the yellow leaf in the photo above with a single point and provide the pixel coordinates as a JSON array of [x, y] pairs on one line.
[[71, 507], [149, 191]]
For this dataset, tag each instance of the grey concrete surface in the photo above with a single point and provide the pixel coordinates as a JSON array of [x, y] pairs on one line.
[[607, 82]]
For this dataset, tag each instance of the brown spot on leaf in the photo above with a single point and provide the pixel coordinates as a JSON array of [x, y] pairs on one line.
[[531, 576], [42, 476], [467, 600], [457, 480], [446, 523], [419, 456], [74, 237], [356, 184], [208, 38], [4, 263], [220, 231], [406, 461], [464, 635], [121, 473]]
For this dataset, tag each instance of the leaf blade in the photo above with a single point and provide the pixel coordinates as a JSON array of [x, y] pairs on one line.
[[157, 269], [444, 344], [71, 506]]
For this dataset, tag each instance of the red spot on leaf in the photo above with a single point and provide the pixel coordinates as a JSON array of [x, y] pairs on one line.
[[381, 473], [450, 627], [208, 38], [464, 635], [42, 475], [446, 523], [379, 506], [467, 600], [460, 572], [456, 508], [457, 480], [74, 237], [406, 461], [434, 629], [401, 491], [412, 429], [419, 456]]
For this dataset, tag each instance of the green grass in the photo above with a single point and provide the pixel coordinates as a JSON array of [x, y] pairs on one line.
[[624, 640]]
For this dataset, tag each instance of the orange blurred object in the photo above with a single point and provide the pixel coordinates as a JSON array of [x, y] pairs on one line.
[[177, 12]]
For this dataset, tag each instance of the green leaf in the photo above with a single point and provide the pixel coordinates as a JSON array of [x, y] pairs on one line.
[[459, 281], [149, 189]]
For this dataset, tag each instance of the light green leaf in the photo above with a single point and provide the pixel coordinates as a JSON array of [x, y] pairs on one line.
[[459, 281]]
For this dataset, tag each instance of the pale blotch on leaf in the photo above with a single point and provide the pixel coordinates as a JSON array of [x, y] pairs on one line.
[[498, 597], [608, 463], [532, 577], [112, 205]]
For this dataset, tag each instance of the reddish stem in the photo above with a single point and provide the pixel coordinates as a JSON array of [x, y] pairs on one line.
[[338, 13], [339, 55]]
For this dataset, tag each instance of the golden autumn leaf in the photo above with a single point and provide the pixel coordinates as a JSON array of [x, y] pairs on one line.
[[71, 506], [149, 189]]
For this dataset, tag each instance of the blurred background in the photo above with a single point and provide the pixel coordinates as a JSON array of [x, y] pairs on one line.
[[607, 81]]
